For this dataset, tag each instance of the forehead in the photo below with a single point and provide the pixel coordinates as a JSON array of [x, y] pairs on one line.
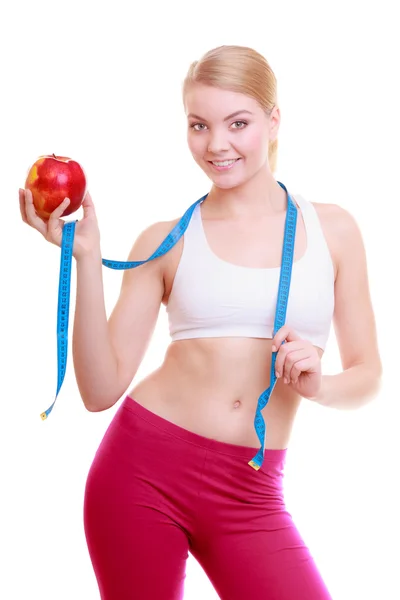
[[215, 104]]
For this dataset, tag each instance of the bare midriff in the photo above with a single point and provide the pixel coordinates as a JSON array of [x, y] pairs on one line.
[[211, 386]]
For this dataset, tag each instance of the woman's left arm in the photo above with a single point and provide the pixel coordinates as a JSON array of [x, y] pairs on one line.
[[354, 322]]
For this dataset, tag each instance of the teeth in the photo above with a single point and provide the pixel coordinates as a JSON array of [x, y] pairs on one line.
[[225, 163]]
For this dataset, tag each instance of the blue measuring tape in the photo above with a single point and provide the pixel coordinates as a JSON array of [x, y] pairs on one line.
[[168, 243]]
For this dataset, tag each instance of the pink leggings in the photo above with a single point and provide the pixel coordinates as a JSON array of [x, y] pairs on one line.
[[156, 491]]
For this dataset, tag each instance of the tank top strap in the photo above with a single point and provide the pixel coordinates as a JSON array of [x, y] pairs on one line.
[[312, 224], [194, 242]]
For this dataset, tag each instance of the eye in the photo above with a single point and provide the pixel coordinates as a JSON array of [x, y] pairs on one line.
[[198, 126], [242, 124]]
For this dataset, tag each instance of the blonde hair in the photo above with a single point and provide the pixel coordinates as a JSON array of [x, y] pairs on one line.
[[238, 69]]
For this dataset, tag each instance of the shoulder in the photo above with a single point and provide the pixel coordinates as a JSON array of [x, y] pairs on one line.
[[150, 238], [339, 225], [147, 242], [341, 232], [335, 219]]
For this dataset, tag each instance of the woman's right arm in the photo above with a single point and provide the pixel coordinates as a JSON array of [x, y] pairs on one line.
[[108, 353], [95, 362]]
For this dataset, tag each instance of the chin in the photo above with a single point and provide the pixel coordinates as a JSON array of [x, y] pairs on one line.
[[226, 183]]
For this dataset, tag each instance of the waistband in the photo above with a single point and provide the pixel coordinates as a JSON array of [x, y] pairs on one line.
[[190, 437]]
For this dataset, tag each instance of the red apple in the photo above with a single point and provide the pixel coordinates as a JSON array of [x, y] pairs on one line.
[[53, 178]]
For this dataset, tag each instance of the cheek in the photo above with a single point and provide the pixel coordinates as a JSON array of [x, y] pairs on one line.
[[196, 145], [255, 143]]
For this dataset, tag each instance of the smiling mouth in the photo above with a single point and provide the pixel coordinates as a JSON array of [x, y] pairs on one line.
[[224, 164]]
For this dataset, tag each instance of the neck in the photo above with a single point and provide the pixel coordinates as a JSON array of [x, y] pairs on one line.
[[259, 196]]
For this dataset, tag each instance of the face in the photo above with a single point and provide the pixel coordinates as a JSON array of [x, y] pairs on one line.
[[228, 133]]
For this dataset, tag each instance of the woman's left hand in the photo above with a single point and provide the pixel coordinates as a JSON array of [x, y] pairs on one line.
[[297, 362]]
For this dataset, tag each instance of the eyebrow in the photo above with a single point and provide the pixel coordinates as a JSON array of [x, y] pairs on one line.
[[238, 112]]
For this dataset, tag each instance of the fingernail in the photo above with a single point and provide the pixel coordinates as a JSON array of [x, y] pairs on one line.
[[285, 380], [277, 374], [274, 348]]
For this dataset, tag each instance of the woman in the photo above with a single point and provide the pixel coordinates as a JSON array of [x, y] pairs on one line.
[[173, 472]]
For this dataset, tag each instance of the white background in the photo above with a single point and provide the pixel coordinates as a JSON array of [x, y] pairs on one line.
[[101, 83]]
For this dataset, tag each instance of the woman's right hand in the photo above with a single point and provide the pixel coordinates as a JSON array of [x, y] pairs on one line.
[[87, 234]]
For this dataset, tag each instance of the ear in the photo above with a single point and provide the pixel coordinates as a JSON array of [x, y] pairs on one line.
[[274, 123]]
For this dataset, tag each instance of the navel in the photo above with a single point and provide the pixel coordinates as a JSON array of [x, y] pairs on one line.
[[237, 404]]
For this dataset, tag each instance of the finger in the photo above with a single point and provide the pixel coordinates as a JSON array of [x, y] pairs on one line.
[[283, 352], [55, 223], [32, 217], [57, 212], [294, 375], [22, 210], [302, 366], [89, 211], [284, 333], [293, 362]]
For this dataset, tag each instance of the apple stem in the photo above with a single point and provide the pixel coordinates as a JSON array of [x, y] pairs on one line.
[[54, 155]]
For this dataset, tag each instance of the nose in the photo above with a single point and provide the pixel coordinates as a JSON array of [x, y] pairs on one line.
[[217, 143]]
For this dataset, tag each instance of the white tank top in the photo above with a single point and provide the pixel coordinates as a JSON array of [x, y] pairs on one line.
[[214, 298]]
